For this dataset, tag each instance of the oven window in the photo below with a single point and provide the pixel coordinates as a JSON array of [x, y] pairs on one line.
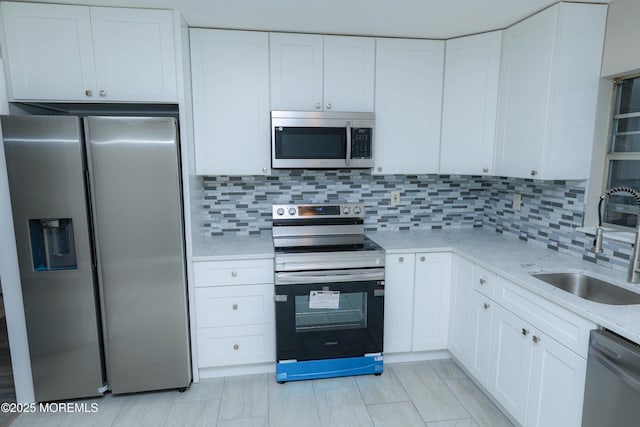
[[350, 312], [310, 143]]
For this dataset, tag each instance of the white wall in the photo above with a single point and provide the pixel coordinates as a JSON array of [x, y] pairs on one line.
[[621, 45]]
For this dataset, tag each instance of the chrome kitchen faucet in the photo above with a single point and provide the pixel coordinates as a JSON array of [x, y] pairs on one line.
[[634, 268]]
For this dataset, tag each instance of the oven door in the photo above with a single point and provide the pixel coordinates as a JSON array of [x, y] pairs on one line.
[[329, 314]]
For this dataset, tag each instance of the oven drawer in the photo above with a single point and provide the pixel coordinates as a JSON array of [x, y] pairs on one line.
[[234, 305], [238, 345], [235, 272]]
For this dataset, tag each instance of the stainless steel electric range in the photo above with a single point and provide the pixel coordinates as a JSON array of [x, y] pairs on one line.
[[329, 292]]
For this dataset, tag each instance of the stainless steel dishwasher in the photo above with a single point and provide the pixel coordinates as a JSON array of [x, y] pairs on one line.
[[612, 389]]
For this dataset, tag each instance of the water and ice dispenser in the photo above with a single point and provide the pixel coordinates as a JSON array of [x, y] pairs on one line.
[[52, 244]]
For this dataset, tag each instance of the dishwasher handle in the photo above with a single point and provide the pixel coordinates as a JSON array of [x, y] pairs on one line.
[[628, 377]]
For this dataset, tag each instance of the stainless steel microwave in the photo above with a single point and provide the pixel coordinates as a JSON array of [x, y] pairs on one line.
[[326, 140]]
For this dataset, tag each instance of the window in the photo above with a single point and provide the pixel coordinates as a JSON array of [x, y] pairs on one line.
[[623, 156]]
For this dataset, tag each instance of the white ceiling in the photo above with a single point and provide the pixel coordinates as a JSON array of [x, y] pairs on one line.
[[436, 19]]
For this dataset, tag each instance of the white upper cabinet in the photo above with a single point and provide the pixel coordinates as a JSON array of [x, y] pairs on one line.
[[471, 75], [321, 73], [48, 50], [230, 83], [134, 54], [549, 76], [408, 105], [89, 54], [349, 67]]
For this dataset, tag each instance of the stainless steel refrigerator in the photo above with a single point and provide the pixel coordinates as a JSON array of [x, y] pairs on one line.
[[98, 222]]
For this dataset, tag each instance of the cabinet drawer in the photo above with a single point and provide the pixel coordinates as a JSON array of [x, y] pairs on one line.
[[234, 305], [484, 281], [237, 345], [240, 272], [566, 327]]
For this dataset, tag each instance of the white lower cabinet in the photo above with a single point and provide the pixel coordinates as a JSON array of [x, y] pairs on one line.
[[417, 293], [511, 355], [538, 358], [480, 330], [460, 308], [235, 319], [556, 388], [432, 292], [398, 302], [528, 353]]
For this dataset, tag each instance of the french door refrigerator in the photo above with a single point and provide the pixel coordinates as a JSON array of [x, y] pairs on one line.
[[98, 222]]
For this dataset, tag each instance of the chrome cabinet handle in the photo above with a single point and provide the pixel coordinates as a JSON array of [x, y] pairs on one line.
[[379, 169], [235, 306], [422, 259], [236, 346], [328, 106], [318, 105], [401, 259], [234, 274], [525, 332], [486, 306], [536, 339], [485, 170], [264, 170], [482, 281], [534, 172], [88, 92], [103, 92]]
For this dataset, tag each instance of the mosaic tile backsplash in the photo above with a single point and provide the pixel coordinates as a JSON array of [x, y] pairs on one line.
[[550, 210], [242, 205]]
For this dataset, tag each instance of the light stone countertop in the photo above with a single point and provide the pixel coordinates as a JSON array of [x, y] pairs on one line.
[[505, 255], [223, 248], [514, 260]]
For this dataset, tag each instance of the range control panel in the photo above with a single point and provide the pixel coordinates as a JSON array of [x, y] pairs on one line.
[[339, 210]]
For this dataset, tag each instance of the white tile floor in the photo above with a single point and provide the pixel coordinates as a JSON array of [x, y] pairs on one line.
[[433, 394]]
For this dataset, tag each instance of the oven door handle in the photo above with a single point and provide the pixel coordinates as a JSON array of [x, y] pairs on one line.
[[328, 276]]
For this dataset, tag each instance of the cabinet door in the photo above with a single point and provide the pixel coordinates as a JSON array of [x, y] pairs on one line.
[[524, 91], [134, 54], [49, 52], [511, 354], [460, 317], [432, 294], [398, 302], [557, 385], [229, 71], [408, 100], [470, 101], [348, 73], [296, 71], [481, 325]]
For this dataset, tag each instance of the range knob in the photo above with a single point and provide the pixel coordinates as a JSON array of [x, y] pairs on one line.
[[345, 210], [292, 211], [356, 210], [280, 211]]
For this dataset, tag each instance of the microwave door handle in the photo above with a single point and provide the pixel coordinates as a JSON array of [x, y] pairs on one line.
[[348, 160]]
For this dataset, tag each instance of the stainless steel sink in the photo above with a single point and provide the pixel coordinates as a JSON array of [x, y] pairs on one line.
[[590, 288]]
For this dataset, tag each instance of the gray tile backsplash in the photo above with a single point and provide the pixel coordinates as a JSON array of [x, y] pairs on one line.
[[549, 213], [242, 205]]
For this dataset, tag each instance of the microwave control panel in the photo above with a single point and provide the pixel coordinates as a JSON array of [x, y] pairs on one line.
[[361, 143]]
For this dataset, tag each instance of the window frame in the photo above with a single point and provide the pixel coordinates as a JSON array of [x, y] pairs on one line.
[[609, 155]]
